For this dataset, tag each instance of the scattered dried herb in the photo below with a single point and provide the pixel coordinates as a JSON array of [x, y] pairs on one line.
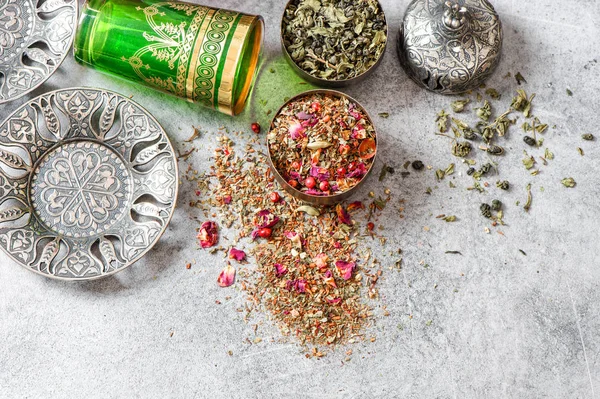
[[384, 171], [442, 121], [523, 252], [485, 111], [384, 115], [529, 140], [322, 138], [417, 165], [334, 40], [453, 252], [461, 149], [529, 198], [459, 105], [503, 185], [493, 93], [449, 219], [580, 150], [308, 273], [548, 155], [569, 93], [568, 182], [520, 79], [486, 210], [587, 136], [496, 205]]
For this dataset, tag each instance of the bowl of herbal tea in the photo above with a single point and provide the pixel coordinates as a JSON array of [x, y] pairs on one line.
[[322, 146], [334, 43]]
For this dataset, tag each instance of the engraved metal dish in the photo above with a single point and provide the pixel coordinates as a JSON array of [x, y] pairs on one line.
[[450, 46], [88, 183], [323, 199], [34, 41], [329, 83]]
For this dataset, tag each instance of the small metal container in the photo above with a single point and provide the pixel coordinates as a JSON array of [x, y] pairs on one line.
[[329, 83], [314, 199], [450, 47]]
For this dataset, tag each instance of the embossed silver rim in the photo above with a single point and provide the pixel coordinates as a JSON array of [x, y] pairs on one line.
[[36, 41], [88, 183]]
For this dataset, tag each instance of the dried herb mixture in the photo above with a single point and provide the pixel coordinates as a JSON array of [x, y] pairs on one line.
[[310, 274], [322, 144], [334, 39]]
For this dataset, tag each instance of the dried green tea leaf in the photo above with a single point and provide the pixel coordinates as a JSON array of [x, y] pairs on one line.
[[529, 198], [528, 161], [587, 137], [503, 185], [449, 219], [384, 171], [442, 121], [449, 170], [493, 93], [523, 252], [485, 111], [486, 210], [458, 106], [496, 205], [384, 115], [439, 174], [520, 79], [461, 150], [417, 165], [548, 155], [569, 93], [580, 150], [568, 182]]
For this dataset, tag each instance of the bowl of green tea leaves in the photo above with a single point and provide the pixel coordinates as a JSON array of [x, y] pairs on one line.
[[334, 43], [322, 146]]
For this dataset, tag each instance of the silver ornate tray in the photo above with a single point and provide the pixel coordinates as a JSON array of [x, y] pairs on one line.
[[88, 183], [34, 40]]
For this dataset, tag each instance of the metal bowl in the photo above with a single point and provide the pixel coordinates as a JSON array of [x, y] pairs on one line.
[[327, 82], [314, 199]]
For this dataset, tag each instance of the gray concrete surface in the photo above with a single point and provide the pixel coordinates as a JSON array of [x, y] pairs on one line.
[[503, 325]]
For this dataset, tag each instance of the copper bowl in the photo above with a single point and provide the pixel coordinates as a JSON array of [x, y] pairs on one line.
[[330, 83], [323, 199]]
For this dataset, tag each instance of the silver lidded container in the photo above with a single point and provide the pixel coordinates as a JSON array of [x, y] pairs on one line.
[[450, 47]]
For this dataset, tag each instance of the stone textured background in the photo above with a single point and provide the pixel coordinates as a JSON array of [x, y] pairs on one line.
[[502, 324]]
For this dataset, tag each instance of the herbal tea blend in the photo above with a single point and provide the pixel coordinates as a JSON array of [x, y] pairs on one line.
[[334, 39], [311, 274], [322, 143]]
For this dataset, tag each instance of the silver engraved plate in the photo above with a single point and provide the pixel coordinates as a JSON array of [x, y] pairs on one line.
[[35, 37], [450, 46], [88, 183]]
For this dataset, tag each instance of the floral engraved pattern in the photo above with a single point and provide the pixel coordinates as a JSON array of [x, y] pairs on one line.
[[447, 59], [22, 24], [11, 24], [82, 192], [84, 204]]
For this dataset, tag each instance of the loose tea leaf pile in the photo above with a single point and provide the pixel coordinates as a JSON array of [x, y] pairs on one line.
[[489, 131], [334, 39], [310, 272], [322, 144]]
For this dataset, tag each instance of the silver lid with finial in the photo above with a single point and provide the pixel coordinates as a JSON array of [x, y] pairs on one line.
[[450, 46]]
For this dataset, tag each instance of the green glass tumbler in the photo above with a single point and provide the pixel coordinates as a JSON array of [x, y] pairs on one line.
[[206, 55]]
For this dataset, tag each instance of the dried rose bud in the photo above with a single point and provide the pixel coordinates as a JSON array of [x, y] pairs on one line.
[[227, 276], [208, 235], [255, 127], [237, 254], [345, 268], [354, 206], [280, 270], [321, 260], [370, 226], [343, 215]]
